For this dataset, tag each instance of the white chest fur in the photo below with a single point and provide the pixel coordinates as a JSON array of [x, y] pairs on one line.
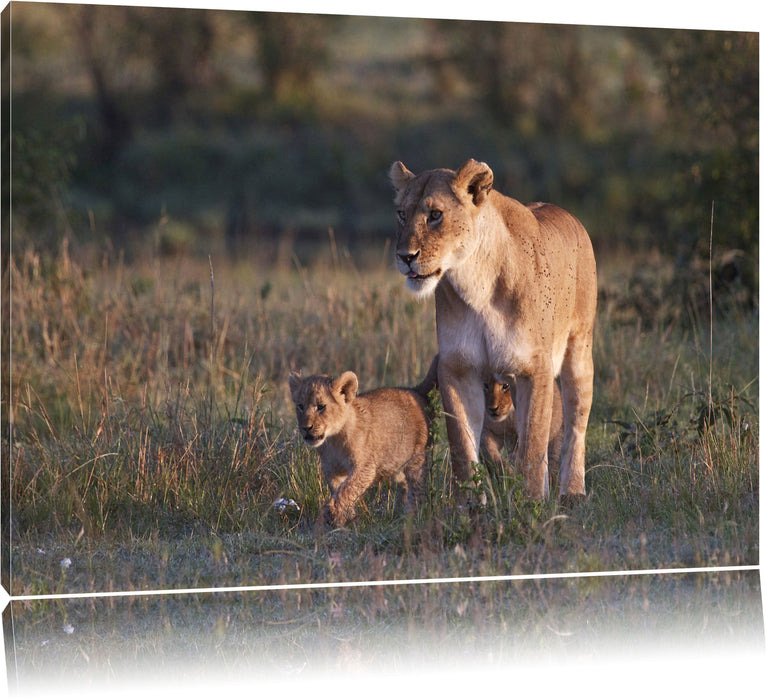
[[488, 342]]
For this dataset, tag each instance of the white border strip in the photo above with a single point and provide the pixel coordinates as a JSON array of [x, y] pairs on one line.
[[396, 582]]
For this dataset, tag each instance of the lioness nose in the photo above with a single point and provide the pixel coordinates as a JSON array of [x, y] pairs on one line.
[[407, 258]]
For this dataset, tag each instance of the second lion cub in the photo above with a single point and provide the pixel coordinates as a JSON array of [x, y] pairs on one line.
[[360, 439], [499, 428]]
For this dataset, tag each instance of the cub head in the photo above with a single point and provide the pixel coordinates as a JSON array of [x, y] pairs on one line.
[[322, 404], [498, 398], [435, 219]]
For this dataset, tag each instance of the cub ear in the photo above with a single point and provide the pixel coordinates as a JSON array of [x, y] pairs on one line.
[[475, 179], [400, 177], [294, 381], [347, 385]]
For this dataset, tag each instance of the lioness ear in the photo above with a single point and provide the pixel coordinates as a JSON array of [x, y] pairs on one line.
[[400, 177], [347, 385], [475, 179]]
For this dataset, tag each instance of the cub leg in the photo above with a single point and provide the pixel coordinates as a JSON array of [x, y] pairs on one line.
[[341, 507], [400, 481], [334, 480], [490, 449], [415, 481]]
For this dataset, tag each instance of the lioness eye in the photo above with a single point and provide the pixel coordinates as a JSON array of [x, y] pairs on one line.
[[505, 388], [321, 408], [300, 407], [435, 215], [401, 215]]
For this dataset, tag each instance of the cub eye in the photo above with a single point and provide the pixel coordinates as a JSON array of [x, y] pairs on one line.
[[300, 407], [321, 407], [401, 215], [505, 388], [434, 215]]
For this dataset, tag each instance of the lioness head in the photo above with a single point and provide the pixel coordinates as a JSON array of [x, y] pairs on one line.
[[498, 398], [321, 404], [434, 219]]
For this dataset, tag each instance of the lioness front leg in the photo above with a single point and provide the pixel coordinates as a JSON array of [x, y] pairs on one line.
[[464, 406], [533, 398]]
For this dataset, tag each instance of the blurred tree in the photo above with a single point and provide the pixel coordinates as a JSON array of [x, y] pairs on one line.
[[178, 44], [528, 76], [100, 39], [5, 165], [656, 123], [130, 50], [37, 189], [711, 83], [636, 131], [292, 48]]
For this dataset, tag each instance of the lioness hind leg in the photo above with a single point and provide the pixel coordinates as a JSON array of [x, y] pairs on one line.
[[576, 381], [554, 449]]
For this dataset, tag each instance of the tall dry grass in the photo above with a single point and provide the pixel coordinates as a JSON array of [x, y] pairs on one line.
[[153, 434]]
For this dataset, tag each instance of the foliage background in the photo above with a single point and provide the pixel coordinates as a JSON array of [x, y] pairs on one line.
[[199, 129]]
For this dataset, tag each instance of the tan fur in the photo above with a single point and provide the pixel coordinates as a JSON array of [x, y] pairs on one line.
[[499, 429], [361, 439], [515, 291]]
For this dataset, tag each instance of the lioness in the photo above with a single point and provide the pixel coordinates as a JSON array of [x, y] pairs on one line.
[[361, 439], [515, 290], [499, 428]]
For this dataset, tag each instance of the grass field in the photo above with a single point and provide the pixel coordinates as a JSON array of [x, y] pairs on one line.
[[153, 433]]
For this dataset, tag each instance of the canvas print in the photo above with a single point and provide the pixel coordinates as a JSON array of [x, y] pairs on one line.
[[340, 344]]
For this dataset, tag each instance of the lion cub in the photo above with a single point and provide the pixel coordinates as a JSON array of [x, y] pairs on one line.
[[500, 427], [361, 439]]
